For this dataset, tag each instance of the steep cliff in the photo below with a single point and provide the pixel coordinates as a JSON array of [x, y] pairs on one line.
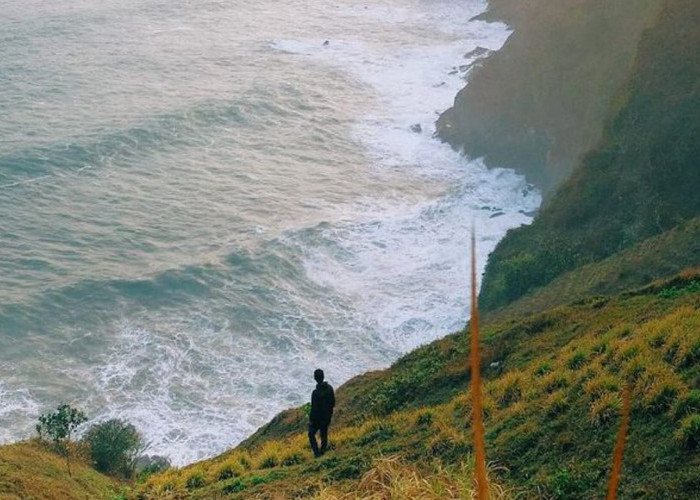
[[540, 102], [641, 180]]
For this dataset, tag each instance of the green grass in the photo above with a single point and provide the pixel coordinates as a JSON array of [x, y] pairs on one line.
[[31, 471]]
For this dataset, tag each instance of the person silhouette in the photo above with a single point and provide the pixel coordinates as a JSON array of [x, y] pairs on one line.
[[322, 403]]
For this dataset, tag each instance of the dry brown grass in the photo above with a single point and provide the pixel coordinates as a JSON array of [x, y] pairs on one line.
[[392, 479]]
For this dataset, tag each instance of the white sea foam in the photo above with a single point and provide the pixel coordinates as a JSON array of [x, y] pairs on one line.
[[15, 405], [404, 267], [396, 270]]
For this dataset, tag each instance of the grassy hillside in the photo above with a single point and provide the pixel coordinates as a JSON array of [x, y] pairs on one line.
[[654, 258], [30, 471], [553, 383], [640, 181], [540, 102]]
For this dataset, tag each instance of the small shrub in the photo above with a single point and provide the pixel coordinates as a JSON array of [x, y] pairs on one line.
[[269, 462], [196, 480], [59, 427], [60, 424], [688, 434], [114, 446]]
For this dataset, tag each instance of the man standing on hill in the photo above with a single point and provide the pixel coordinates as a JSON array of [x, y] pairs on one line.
[[322, 403]]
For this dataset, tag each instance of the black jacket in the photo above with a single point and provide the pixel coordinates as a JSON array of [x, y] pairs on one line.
[[322, 403]]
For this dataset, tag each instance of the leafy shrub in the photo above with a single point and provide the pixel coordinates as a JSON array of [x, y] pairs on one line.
[[59, 426], [114, 447]]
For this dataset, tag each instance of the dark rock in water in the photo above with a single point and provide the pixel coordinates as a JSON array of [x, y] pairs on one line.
[[453, 72], [416, 128], [486, 207], [465, 67], [326, 43], [529, 213], [477, 52], [497, 214], [438, 85]]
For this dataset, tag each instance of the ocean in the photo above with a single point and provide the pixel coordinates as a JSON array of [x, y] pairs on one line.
[[203, 201]]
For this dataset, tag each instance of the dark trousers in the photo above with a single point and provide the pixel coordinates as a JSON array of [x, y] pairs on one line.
[[315, 427]]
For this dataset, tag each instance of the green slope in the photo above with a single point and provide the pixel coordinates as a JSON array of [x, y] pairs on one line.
[[640, 181], [30, 471], [553, 383]]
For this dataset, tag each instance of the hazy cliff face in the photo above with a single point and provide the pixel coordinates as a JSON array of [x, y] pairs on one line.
[[640, 181], [540, 102]]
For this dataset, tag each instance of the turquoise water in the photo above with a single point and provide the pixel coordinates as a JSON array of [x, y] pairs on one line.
[[200, 203]]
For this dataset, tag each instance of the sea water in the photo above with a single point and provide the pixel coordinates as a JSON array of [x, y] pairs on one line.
[[203, 201]]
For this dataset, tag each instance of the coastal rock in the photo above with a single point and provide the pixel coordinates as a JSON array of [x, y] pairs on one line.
[[477, 52], [416, 128]]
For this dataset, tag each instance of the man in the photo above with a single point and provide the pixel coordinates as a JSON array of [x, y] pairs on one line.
[[322, 403]]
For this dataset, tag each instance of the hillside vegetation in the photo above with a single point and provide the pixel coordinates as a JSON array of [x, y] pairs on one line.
[[32, 471], [640, 181], [553, 384], [540, 102]]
